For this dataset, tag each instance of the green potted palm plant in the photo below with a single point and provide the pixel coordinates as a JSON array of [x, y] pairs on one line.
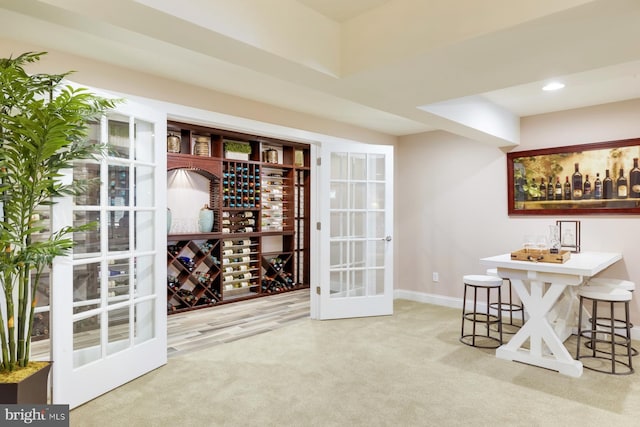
[[43, 130]]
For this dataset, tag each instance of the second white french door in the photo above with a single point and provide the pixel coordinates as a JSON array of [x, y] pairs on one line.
[[109, 296], [356, 222]]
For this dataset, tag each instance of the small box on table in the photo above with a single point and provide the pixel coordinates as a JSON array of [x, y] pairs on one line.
[[537, 255]]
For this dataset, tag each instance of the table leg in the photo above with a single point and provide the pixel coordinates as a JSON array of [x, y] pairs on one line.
[[537, 329]]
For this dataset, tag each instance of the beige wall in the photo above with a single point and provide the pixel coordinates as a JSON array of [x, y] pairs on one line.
[[451, 201]]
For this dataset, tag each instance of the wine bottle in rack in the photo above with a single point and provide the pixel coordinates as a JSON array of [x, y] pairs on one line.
[[607, 186], [576, 183], [621, 185], [634, 180]]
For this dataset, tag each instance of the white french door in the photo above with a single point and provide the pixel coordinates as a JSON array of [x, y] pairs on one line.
[[108, 296], [355, 201]]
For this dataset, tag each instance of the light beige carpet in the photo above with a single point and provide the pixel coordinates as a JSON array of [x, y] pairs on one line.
[[408, 369]]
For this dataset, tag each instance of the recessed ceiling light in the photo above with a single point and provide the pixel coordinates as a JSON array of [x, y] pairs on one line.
[[553, 86]]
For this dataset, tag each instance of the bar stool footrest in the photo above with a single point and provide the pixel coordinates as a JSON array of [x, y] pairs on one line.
[[493, 342]]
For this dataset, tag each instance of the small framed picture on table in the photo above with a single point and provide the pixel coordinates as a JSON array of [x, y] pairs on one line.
[[569, 235]]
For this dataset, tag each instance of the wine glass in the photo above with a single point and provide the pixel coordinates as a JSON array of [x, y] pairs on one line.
[[541, 244], [529, 243], [554, 238]]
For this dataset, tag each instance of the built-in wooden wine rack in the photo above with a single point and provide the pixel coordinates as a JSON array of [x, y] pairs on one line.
[[259, 244]]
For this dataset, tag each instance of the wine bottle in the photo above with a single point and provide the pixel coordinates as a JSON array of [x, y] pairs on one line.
[[550, 190], [586, 193], [576, 183], [634, 180], [558, 189], [597, 187], [607, 186], [621, 185], [567, 189], [543, 190]]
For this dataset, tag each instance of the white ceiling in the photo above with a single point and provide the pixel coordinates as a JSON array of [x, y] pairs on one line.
[[394, 66], [342, 10]]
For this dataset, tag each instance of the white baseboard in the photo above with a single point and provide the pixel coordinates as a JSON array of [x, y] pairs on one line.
[[452, 302]]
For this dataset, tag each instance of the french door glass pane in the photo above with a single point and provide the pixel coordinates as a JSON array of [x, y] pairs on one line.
[[144, 238], [118, 231], [338, 224], [86, 282], [118, 185], [337, 283], [376, 196], [338, 257], [358, 196], [143, 187], [143, 140], [358, 224], [119, 145], [357, 282], [358, 166], [376, 167], [339, 195], [375, 280], [118, 330], [357, 257], [339, 165], [144, 322], [93, 132], [86, 341], [87, 174], [375, 226], [88, 241], [144, 278], [375, 253], [118, 280]]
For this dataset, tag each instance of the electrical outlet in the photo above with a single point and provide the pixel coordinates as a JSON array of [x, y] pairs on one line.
[[436, 277]]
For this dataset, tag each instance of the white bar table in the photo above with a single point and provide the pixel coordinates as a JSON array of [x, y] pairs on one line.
[[540, 286]]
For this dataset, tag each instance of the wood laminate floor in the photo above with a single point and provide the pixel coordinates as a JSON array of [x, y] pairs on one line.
[[203, 328], [198, 329]]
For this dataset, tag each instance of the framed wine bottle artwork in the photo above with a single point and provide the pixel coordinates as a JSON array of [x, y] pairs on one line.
[[598, 178]]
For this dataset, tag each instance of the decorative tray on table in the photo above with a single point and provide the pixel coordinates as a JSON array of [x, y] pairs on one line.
[[538, 255]]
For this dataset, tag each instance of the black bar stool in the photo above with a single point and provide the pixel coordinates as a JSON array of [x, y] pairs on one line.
[[602, 336], [612, 283], [492, 338]]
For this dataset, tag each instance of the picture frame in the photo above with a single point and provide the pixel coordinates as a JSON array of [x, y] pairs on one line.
[[569, 235], [529, 172]]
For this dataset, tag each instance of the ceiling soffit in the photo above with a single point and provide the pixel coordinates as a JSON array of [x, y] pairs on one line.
[[392, 57]]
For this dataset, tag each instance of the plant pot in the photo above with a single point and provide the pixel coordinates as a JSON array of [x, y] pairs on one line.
[[233, 155], [32, 390]]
